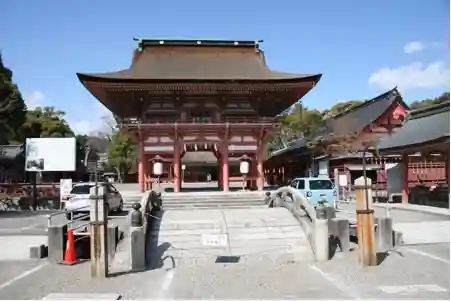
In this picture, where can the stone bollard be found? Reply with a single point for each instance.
(137, 240)
(113, 239)
(268, 199)
(321, 234)
(340, 231)
(384, 234)
(56, 243)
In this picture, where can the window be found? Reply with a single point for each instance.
(321, 185)
(294, 183)
(81, 189)
(301, 184)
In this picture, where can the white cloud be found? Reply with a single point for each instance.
(413, 76)
(34, 99)
(414, 46)
(82, 127)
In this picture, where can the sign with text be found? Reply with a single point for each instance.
(214, 240)
(65, 188)
(50, 154)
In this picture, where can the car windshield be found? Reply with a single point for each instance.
(321, 184)
(81, 189)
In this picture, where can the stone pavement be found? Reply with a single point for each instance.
(419, 226)
(249, 233)
(420, 272)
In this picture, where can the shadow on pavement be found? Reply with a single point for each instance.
(18, 214)
(155, 252)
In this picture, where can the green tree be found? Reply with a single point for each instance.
(418, 104)
(121, 153)
(12, 106)
(341, 107)
(299, 122)
(44, 122)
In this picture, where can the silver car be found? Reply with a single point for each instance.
(78, 201)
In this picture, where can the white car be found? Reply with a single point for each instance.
(78, 201)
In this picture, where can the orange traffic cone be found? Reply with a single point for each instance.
(70, 256)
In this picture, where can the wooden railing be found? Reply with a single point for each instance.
(199, 120)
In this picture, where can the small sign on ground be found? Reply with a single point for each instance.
(214, 240)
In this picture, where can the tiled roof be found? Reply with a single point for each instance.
(189, 60)
(10, 151)
(424, 125)
(357, 118)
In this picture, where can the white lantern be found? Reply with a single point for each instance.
(157, 168)
(244, 167)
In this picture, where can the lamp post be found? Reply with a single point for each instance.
(157, 164)
(183, 172)
(244, 168)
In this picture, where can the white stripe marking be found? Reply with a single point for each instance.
(415, 251)
(166, 284)
(412, 289)
(340, 285)
(23, 275)
(31, 226)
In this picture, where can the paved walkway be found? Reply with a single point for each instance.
(420, 272)
(248, 233)
(418, 224)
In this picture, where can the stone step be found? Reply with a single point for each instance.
(221, 197)
(244, 255)
(169, 233)
(188, 207)
(200, 202)
(212, 200)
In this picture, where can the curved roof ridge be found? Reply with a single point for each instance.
(208, 62)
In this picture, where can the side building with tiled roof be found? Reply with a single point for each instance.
(378, 116)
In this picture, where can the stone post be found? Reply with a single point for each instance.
(137, 240)
(340, 231)
(384, 234)
(56, 242)
(321, 234)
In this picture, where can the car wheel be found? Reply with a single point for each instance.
(121, 206)
(69, 216)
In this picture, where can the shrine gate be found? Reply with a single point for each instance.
(198, 95)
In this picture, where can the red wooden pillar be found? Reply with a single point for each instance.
(141, 165)
(225, 166)
(405, 179)
(447, 168)
(260, 173)
(220, 181)
(177, 166)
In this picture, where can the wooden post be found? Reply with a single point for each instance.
(177, 166)
(365, 221)
(99, 241)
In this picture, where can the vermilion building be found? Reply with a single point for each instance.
(179, 96)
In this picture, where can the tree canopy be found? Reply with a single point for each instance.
(12, 105)
(121, 153)
(44, 122)
(418, 104)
